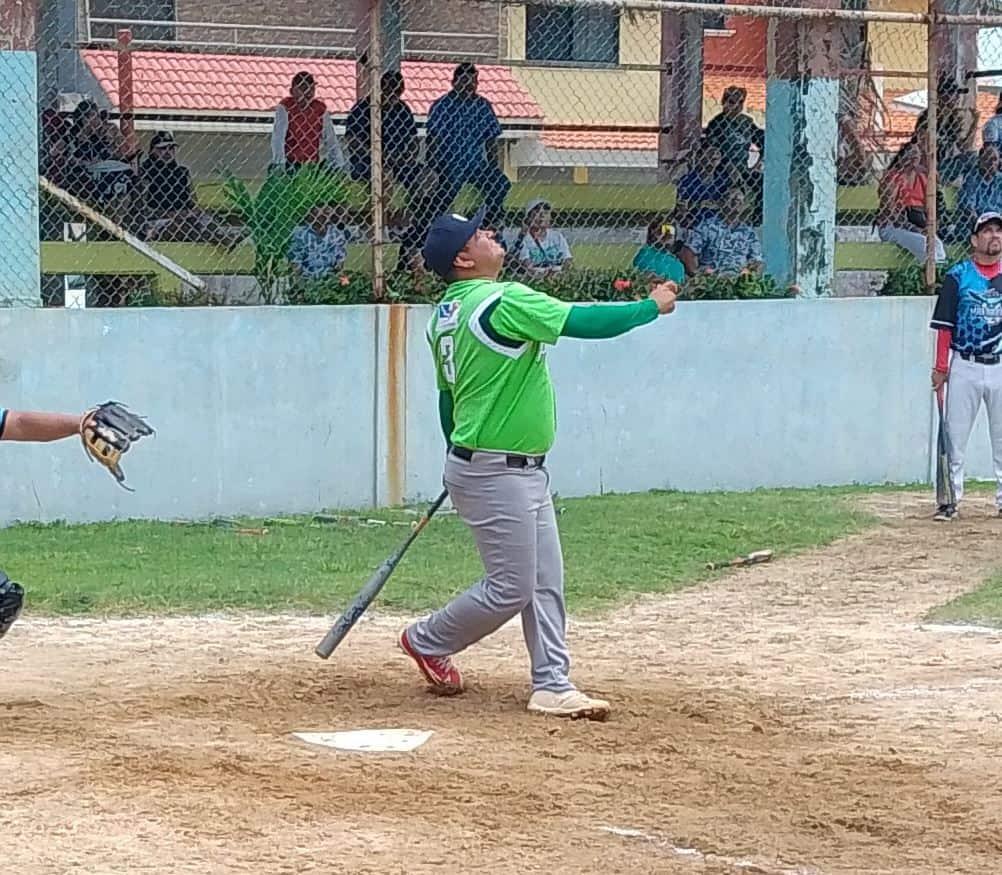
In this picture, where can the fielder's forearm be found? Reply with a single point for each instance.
(601, 321)
(445, 406)
(19, 425)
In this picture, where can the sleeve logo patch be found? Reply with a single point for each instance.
(448, 315)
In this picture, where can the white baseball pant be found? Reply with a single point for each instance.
(969, 385)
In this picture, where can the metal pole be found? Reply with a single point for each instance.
(932, 123)
(126, 89)
(376, 149)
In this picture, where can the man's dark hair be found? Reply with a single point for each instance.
(466, 70)
(392, 80)
(303, 77)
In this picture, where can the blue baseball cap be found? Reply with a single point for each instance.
(446, 238)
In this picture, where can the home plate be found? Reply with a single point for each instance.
(368, 740)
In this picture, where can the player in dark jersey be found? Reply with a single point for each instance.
(968, 322)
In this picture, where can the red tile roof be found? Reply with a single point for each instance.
(631, 141)
(252, 83)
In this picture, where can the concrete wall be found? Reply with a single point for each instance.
(269, 410)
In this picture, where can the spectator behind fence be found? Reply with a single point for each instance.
(169, 206)
(734, 133)
(901, 216)
(981, 191)
(992, 131)
(99, 159)
(463, 147)
(303, 132)
(702, 189)
(319, 248)
(725, 243)
(539, 248)
(954, 126)
(656, 258)
(400, 159)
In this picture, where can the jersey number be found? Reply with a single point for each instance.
(446, 350)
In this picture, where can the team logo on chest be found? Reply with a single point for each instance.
(448, 315)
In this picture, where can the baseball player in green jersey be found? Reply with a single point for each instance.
(497, 409)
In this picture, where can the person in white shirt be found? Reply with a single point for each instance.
(539, 249)
(304, 132)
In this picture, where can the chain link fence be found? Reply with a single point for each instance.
(742, 150)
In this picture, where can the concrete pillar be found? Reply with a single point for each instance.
(802, 102)
(19, 241)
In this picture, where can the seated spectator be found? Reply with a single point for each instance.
(98, 159)
(463, 134)
(901, 216)
(981, 191)
(656, 259)
(724, 244)
(702, 189)
(303, 132)
(540, 249)
(169, 205)
(319, 248)
(734, 133)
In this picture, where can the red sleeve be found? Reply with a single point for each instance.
(944, 337)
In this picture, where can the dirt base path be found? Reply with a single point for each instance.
(795, 718)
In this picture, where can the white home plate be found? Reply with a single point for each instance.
(369, 740)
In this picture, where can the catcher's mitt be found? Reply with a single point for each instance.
(107, 433)
(11, 600)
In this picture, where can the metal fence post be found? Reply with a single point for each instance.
(376, 154)
(932, 182)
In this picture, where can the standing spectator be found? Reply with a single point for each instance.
(901, 216)
(400, 158)
(657, 259)
(303, 132)
(992, 131)
(540, 249)
(702, 189)
(169, 205)
(724, 244)
(319, 248)
(735, 133)
(463, 146)
(981, 191)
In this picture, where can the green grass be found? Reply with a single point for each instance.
(614, 545)
(983, 606)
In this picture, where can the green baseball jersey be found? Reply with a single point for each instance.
(489, 339)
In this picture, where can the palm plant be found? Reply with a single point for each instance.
(280, 205)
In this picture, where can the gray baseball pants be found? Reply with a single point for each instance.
(510, 513)
(971, 384)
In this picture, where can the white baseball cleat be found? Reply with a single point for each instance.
(571, 703)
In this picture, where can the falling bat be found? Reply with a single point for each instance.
(751, 559)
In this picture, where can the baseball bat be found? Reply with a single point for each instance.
(336, 634)
(944, 483)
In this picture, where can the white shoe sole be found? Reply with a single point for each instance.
(596, 712)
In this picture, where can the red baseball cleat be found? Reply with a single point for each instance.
(440, 671)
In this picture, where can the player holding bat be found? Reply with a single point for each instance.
(106, 432)
(968, 322)
(497, 410)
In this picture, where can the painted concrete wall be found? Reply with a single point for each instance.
(270, 410)
(19, 267)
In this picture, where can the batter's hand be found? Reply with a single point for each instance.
(939, 379)
(664, 295)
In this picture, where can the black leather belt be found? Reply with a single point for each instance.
(514, 460)
(981, 359)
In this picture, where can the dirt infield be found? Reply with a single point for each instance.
(795, 717)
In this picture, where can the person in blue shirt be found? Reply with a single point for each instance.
(982, 188)
(463, 146)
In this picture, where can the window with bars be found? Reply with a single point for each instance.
(134, 10)
(715, 22)
(580, 35)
